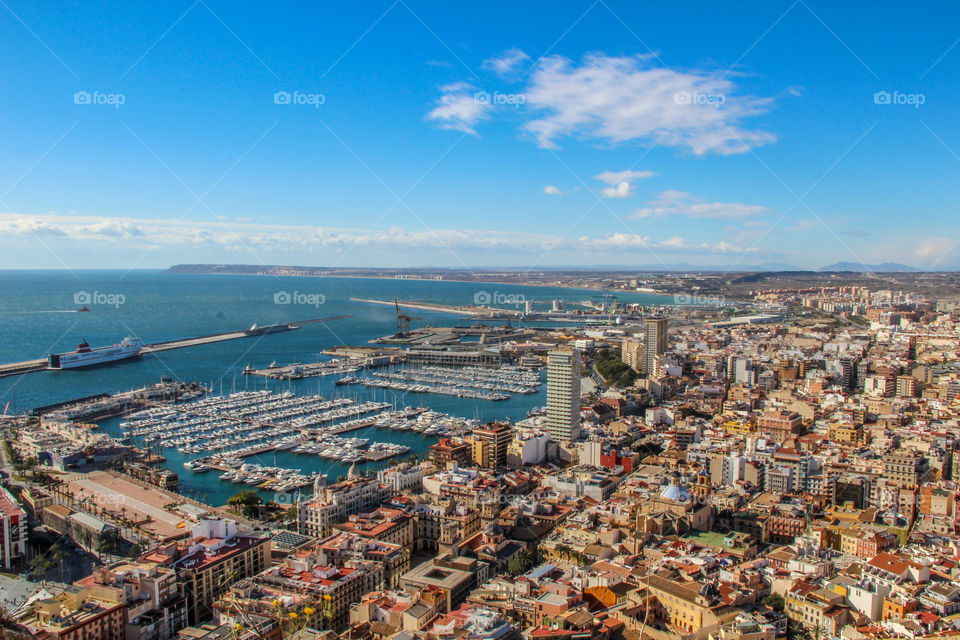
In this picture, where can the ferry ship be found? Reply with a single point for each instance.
(85, 356)
(257, 330)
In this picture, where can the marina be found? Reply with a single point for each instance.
(505, 379)
(438, 389)
(481, 383)
(241, 420)
(218, 433)
(209, 305)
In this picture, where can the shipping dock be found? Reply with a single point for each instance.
(335, 367)
(40, 364)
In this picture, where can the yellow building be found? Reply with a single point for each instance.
(686, 607)
(846, 433)
(816, 608)
(740, 426)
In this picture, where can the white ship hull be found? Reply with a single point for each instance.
(93, 357)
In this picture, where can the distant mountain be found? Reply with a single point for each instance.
(886, 267)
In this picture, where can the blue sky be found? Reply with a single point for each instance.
(439, 134)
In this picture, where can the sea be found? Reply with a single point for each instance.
(39, 316)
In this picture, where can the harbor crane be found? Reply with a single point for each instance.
(403, 321)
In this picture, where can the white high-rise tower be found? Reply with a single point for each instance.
(563, 394)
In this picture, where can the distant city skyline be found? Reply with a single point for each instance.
(409, 134)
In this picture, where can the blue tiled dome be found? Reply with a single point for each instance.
(675, 492)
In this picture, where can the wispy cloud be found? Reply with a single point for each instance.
(626, 99)
(458, 109)
(933, 248)
(619, 190)
(613, 177)
(680, 203)
(551, 190)
(243, 237)
(621, 182)
(632, 99)
(507, 62)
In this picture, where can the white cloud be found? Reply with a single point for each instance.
(551, 190)
(679, 203)
(673, 245)
(507, 62)
(933, 248)
(619, 190)
(613, 177)
(244, 237)
(458, 109)
(620, 182)
(628, 99)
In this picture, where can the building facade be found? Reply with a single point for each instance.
(563, 394)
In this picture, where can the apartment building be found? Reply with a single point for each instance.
(13, 523)
(490, 443)
(780, 425)
(905, 467)
(78, 613)
(208, 563)
(563, 394)
(155, 607)
(382, 525)
(445, 451)
(444, 523)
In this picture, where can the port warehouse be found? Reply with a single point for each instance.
(426, 355)
(48, 408)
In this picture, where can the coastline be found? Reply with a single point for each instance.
(544, 285)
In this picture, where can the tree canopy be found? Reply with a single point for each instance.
(613, 369)
(247, 501)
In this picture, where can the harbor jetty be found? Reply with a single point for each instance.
(31, 366)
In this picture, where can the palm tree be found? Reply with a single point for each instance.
(57, 552)
(39, 566)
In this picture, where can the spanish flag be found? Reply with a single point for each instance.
(182, 525)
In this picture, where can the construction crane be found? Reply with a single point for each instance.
(403, 321)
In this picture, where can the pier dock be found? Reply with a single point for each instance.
(469, 311)
(30, 366)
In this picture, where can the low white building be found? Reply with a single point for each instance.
(402, 477)
(530, 447)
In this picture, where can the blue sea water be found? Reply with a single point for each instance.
(38, 316)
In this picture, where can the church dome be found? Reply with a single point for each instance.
(676, 493)
(353, 473)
